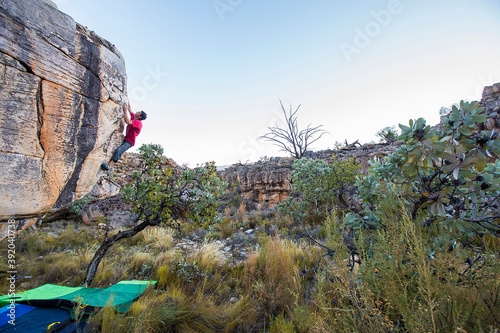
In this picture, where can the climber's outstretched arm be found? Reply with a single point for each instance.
(126, 114)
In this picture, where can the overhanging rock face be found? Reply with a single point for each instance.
(61, 91)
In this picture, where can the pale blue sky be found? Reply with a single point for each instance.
(210, 73)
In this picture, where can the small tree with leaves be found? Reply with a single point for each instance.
(388, 134)
(319, 186)
(291, 138)
(162, 194)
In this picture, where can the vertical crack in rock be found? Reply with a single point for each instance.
(40, 110)
(86, 125)
(85, 141)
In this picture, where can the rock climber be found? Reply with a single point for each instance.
(134, 126)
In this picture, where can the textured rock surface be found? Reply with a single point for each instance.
(491, 101)
(263, 184)
(61, 90)
(361, 154)
(111, 210)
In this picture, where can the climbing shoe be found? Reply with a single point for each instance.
(104, 166)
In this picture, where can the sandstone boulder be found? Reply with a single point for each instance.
(61, 91)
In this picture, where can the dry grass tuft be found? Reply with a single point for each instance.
(272, 276)
(209, 256)
(159, 237)
(241, 213)
(165, 258)
(140, 259)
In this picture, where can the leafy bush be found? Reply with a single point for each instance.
(76, 206)
(160, 193)
(450, 175)
(320, 186)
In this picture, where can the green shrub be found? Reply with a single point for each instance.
(319, 186)
(450, 175)
(76, 206)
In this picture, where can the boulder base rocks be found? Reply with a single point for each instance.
(111, 210)
(61, 91)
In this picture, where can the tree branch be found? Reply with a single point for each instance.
(290, 139)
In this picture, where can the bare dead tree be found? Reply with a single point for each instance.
(291, 139)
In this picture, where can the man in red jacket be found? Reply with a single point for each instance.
(134, 126)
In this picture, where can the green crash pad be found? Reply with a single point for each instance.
(120, 296)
